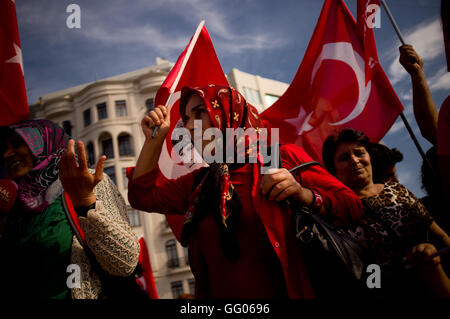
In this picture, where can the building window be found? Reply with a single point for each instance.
(87, 117)
(191, 283)
(125, 178)
(111, 172)
(134, 216)
(121, 108)
(90, 154)
(125, 148)
(252, 95)
(186, 255)
(270, 99)
(101, 111)
(172, 254)
(67, 126)
(177, 289)
(149, 104)
(108, 149)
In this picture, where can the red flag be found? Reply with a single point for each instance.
(197, 66)
(366, 10)
(329, 90)
(13, 98)
(146, 281)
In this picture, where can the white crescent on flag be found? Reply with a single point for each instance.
(343, 51)
(169, 164)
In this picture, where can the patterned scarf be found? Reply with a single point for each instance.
(47, 142)
(213, 193)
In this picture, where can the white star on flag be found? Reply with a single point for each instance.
(301, 121)
(17, 58)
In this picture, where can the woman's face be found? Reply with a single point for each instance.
(353, 166)
(196, 110)
(17, 157)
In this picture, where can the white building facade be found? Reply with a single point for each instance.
(106, 116)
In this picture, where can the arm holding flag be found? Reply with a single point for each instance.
(145, 193)
(149, 156)
(425, 110)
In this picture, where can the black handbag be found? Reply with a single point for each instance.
(335, 261)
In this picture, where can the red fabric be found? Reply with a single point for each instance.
(222, 113)
(172, 197)
(201, 69)
(335, 57)
(74, 216)
(146, 281)
(13, 97)
(366, 9)
(242, 278)
(226, 108)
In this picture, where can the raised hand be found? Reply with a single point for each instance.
(410, 60)
(75, 177)
(159, 116)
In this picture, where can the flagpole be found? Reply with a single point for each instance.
(405, 121)
(393, 22)
(183, 65)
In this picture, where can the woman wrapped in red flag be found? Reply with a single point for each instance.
(240, 237)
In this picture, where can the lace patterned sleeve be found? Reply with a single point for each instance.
(108, 233)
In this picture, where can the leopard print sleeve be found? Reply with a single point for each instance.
(108, 233)
(417, 207)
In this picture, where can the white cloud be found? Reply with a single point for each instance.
(405, 177)
(440, 81)
(427, 41)
(398, 125)
(143, 36)
(232, 41)
(119, 23)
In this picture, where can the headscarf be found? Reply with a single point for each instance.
(213, 192)
(46, 141)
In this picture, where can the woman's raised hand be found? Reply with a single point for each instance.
(75, 177)
(159, 116)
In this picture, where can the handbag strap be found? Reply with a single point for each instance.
(304, 165)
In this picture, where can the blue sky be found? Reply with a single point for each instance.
(262, 37)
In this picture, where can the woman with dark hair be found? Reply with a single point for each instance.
(383, 162)
(239, 234)
(394, 220)
(39, 243)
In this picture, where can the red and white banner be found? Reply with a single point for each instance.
(366, 11)
(146, 281)
(330, 89)
(197, 65)
(13, 97)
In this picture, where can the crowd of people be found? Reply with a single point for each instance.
(238, 223)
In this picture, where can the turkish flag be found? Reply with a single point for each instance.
(13, 97)
(329, 90)
(366, 10)
(197, 65)
(146, 281)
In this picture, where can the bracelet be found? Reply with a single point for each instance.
(82, 211)
(317, 199)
